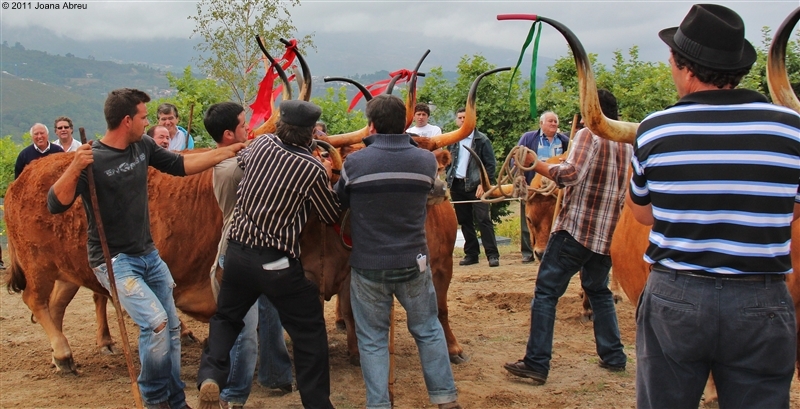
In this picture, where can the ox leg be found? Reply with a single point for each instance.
(346, 311)
(105, 344)
(341, 325)
(441, 283)
(37, 299)
(187, 336)
(63, 292)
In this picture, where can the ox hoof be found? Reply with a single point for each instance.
(189, 338)
(65, 366)
(341, 326)
(459, 358)
(587, 317)
(107, 350)
(355, 360)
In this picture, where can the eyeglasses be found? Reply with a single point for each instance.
(63, 127)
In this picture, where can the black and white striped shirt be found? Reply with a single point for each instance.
(280, 185)
(721, 169)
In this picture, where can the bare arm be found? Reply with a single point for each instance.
(199, 162)
(644, 214)
(65, 186)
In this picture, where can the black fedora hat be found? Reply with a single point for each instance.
(711, 36)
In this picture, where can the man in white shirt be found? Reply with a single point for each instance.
(421, 126)
(63, 127)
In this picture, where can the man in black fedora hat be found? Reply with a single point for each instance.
(281, 183)
(716, 175)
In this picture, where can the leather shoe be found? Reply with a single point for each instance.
(468, 260)
(612, 368)
(524, 371)
(527, 259)
(494, 261)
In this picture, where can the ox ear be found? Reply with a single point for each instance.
(443, 158)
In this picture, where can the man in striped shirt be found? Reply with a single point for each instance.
(282, 183)
(716, 175)
(594, 174)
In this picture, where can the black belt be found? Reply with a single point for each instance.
(703, 274)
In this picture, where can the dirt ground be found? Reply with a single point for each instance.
(489, 313)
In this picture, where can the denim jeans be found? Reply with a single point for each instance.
(243, 361)
(561, 260)
(297, 301)
(371, 303)
(274, 364)
(743, 332)
(144, 285)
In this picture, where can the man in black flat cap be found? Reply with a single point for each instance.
(716, 176)
(282, 182)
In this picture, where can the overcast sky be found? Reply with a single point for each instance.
(446, 27)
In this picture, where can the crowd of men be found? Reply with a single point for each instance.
(704, 219)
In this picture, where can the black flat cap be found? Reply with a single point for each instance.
(299, 113)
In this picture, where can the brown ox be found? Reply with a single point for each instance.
(540, 206)
(48, 252)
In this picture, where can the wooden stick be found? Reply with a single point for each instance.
(391, 354)
(126, 347)
(189, 126)
(572, 132)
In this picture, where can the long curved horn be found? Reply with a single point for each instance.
(361, 88)
(286, 94)
(439, 141)
(303, 77)
(777, 78)
(411, 96)
(618, 131)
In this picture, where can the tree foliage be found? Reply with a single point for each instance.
(192, 91)
(757, 78)
(229, 52)
(334, 112)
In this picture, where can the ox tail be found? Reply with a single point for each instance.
(15, 277)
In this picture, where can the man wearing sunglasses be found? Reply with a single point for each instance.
(63, 126)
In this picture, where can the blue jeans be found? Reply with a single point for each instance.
(371, 303)
(743, 332)
(562, 259)
(274, 364)
(243, 361)
(145, 284)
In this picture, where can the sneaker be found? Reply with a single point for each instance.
(494, 261)
(612, 368)
(522, 370)
(209, 395)
(468, 260)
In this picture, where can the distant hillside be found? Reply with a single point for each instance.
(38, 87)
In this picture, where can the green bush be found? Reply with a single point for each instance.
(9, 150)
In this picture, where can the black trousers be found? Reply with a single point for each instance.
(297, 300)
(465, 212)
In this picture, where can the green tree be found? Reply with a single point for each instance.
(334, 112)
(192, 91)
(229, 52)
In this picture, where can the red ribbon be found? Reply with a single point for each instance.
(347, 240)
(262, 106)
(380, 86)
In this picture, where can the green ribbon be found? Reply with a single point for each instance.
(536, 25)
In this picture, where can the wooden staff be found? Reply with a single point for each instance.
(572, 132)
(189, 126)
(126, 348)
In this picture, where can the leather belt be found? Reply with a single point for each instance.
(703, 274)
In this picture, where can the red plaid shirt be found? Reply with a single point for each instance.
(596, 177)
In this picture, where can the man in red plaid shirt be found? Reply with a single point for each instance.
(595, 175)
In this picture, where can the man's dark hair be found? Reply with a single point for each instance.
(152, 131)
(608, 104)
(322, 125)
(460, 110)
(167, 108)
(121, 103)
(422, 107)
(719, 79)
(293, 134)
(62, 119)
(387, 113)
(222, 117)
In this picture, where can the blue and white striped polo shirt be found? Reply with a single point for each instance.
(721, 170)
